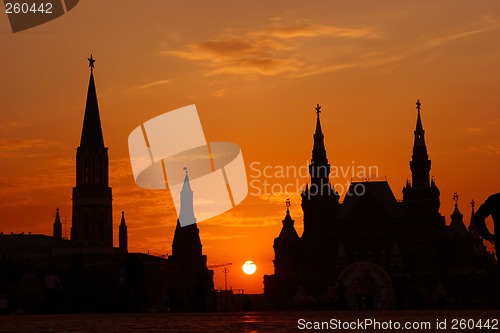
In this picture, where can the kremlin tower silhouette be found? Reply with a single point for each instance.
(95, 275)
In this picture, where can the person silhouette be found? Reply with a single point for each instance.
(490, 207)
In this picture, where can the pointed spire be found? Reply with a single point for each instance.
(58, 218)
(457, 225)
(288, 233)
(92, 132)
(319, 144)
(318, 123)
(186, 185)
(288, 219)
(123, 235)
(186, 214)
(57, 230)
(472, 224)
(122, 222)
(419, 129)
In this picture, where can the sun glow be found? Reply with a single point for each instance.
(249, 267)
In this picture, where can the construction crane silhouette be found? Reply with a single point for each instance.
(225, 270)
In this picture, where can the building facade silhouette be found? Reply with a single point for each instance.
(371, 251)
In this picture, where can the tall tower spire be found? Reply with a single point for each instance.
(123, 235)
(57, 230)
(421, 196)
(420, 164)
(92, 221)
(320, 195)
(419, 129)
(91, 130)
(319, 169)
(186, 241)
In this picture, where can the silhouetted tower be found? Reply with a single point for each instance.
(92, 223)
(286, 247)
(57, 230)
(472, 224)
(320, 199)
(457, 227)
(187, 264)
(474, 233)
(421, 196)
(187, 244)
(122, 235)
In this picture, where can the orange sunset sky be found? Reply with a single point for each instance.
(255, 70)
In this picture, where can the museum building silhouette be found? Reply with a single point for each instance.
(372, 251)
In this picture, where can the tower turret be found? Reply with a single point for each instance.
(320, 199)
(92, 221)
(421, 196)
(457, 227)
(286, 247)
(57, 230)
(123, 235)
(186, 241)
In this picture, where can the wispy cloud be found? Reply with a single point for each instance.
(475, 130)
(8, 126)
(490, 147)
(11, 147)
(263, 52)
(151, 84)
(282, 48)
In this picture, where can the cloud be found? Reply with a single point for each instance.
(8, 126)
(151, 84)
(22, 147)
(476, 130)
(265, 52)
(302, 28)
(491, 147)
(284, 48)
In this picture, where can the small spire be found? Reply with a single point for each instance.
(122, 222)
(57, 217)
(472, 224)
(288, 204)
(318, 123)
(455, 198)
(186, 179)
(419, 128)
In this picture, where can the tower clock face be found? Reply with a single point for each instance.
(367, 285)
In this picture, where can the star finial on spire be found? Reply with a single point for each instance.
(418, 105)
(185, 169)
(473, 204)
(91, 62)
(288, 204)
(455, 198)
(318, 109)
